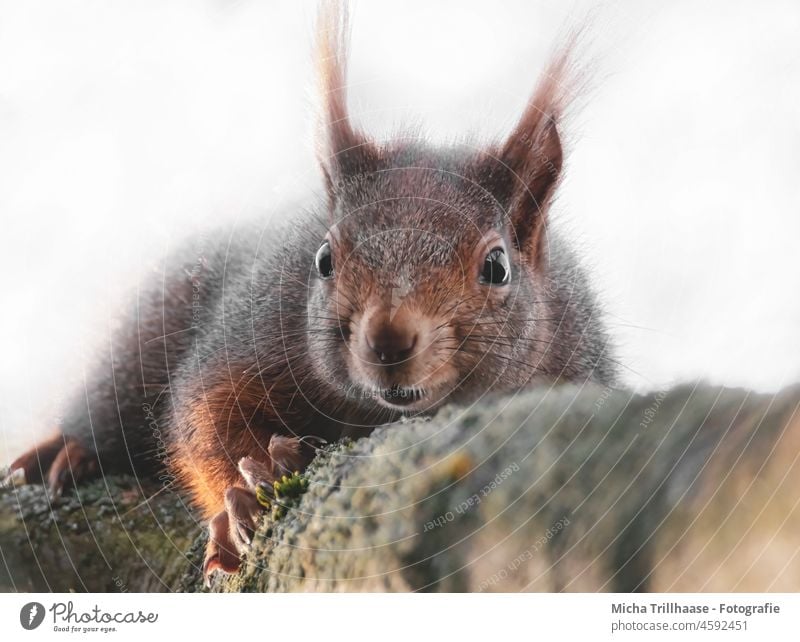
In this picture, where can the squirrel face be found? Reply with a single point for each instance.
(420, 282)
(428, 281)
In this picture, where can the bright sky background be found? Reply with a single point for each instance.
(125, 124)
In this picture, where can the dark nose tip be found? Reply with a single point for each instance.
(390, 343)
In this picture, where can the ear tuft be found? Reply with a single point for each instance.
(533, 156)
(342, 150)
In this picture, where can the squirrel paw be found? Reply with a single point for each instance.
(230, 532)
(221, 554)
(286, 455)
(243, 511)
(61, 462)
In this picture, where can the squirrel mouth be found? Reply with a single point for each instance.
(401, 396)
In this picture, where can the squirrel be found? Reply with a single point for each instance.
(424, 275)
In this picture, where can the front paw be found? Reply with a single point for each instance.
(221, 554)
(286, 455)
(60, 462)
(230, 532)
(243, 512)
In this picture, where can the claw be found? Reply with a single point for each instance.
(214, 563)
(210, 565)
(220, 553)
(243, 510)
(56, 486)
(243, 537)
(15, 478)
(255, 472)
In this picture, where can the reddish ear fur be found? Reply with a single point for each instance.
(533, 155)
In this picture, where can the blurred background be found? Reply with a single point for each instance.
(125, 125)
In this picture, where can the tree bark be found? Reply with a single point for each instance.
(557, 489)
(109, 535)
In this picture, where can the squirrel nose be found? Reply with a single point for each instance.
(391, 343)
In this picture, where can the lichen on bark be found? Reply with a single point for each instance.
(558, 489)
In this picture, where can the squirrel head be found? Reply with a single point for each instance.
(430, 275)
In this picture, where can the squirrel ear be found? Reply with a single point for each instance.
(342, 150)
(532, 158)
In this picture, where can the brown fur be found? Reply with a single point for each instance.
(223, 424)
(258, 350)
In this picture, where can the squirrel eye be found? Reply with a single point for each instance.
(324, 261)
(496, 270)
